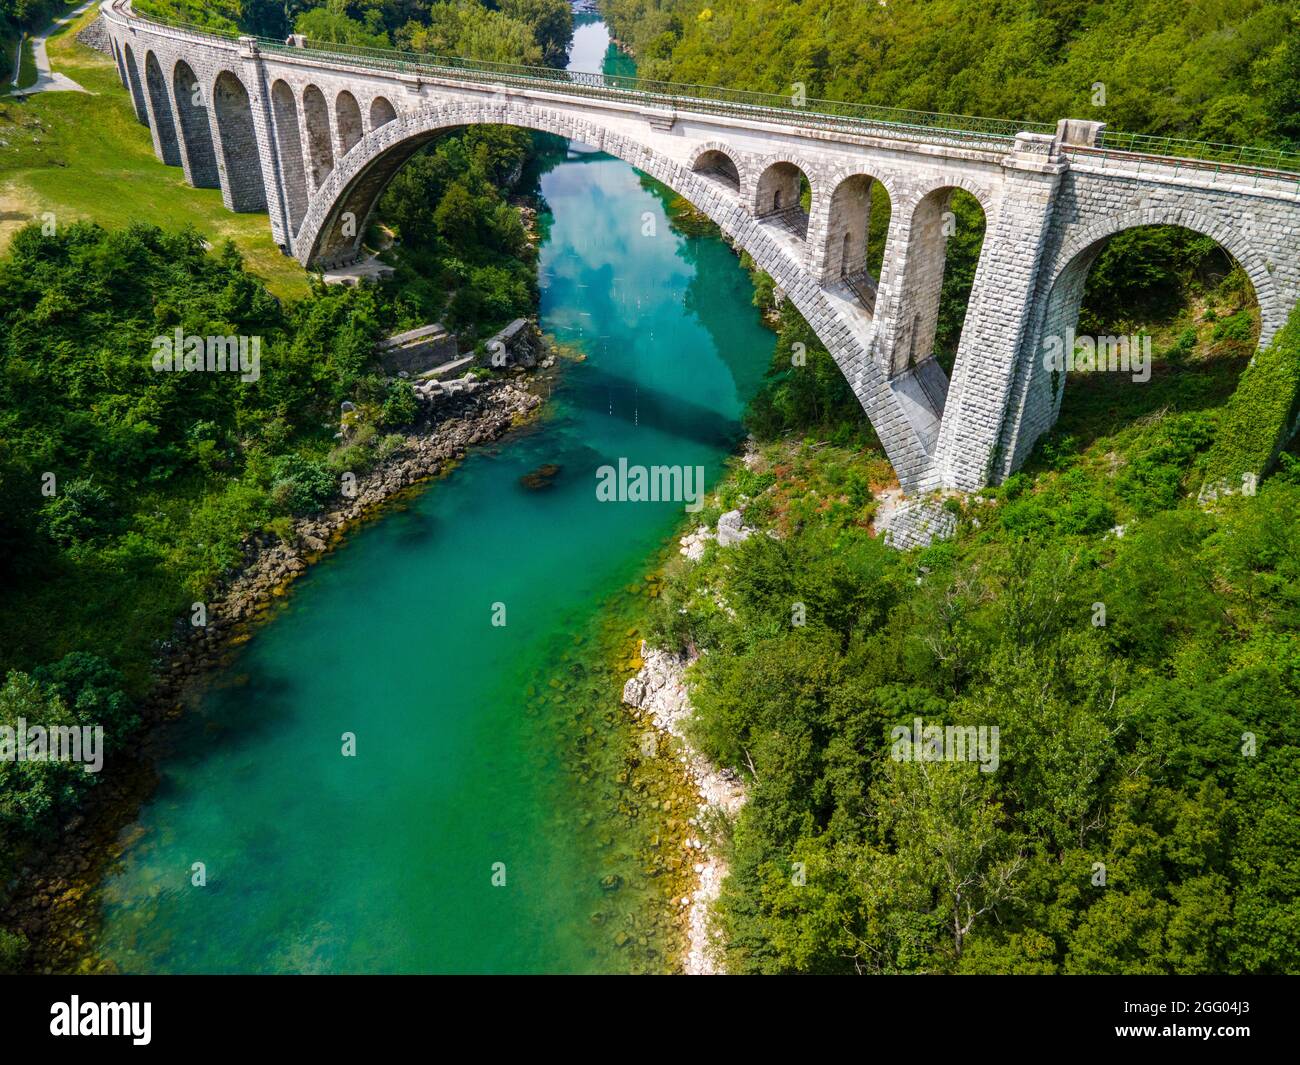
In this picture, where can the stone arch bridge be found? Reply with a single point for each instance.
(312, 135)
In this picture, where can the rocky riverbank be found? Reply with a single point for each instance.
(50, 903)
(479, 413)
(658, 697)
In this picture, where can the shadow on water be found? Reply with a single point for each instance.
(246, 706)
(411, 528)
(599, 390)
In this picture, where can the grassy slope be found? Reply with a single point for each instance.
(86, 156)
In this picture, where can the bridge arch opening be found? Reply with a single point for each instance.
(381, 112)
(199, 152)
(720, 167)
(347, 116)
(284, 110)
(944, 238)
(784, 196)
(320, 148)
(165, 126)
(1146, 319)
(243, 187)
(857, 226)
(137, 92)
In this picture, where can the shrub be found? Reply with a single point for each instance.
(13, 948)
(301, 485)
(79, 511)
(1235, 327)
(400, 406)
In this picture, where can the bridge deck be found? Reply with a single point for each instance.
(867, 119)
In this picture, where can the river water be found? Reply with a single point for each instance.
(456, 838)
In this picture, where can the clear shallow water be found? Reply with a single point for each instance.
(384, 862)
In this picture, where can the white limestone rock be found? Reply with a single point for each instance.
(693, 543)
(732, 529)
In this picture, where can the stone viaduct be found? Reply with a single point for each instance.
(312, 135)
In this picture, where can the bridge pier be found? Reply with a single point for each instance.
(271, 168)
(998, 317)
(162, 118)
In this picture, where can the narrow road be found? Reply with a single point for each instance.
(46, 79)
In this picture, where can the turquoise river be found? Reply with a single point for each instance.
(393, 860)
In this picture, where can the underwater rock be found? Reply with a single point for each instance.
(542, 477)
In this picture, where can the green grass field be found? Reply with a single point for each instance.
(84, 155)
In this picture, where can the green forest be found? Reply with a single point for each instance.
(1225, 71)
(513, 31)
(1140, 655)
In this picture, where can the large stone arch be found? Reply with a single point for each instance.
(198, 153)
(1040, 390)
(332, 231)
(160, 106)
(1232, 238)
(243, 188)
(320, 145)
(137, 91)
(284, 112)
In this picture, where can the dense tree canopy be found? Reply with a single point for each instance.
(1142, 817)
(1225, 71)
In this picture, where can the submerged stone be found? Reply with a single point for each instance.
(542, 477)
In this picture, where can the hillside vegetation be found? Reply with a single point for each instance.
(1138, 653)
(1225, 70)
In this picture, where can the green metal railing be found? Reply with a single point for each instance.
(1178, 148)
(811, 113)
